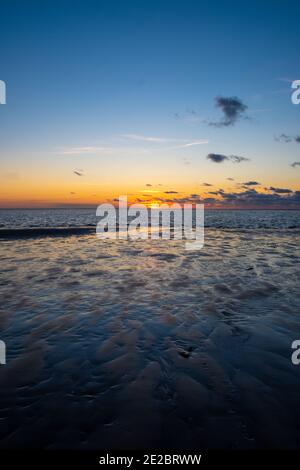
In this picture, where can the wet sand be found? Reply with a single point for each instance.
(142, 344)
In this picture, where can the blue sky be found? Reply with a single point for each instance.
(106, 76)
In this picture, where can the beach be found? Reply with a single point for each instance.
(142, 344)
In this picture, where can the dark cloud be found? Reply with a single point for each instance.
(188, 199)
(171, 192)
(219, 158)
(287, 138)
(218, 192)
(230, 179)
(233, 109)
(295, 164)
(208, 200)
(206, 184)
(249, 198)
(237, 159)
(280, 190)
(149, 185)
(78, 172)
(252, 198)
(251, 183)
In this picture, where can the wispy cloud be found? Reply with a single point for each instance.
(238, 159)
(285, 80)
(288, 138)
(145, 138)
(182, 143)
(190, 116)
(193, 143)
(174, 144)
(82, 150)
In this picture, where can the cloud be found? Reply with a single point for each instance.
(288, 138)
(219, 192)
(230, 179)
(249, 198)
(252, 198)
(232, 108)
(189, 116)
(81, 150)
(206, 184)
(286, 80)
(149, 185)
(214, 193)
(186, 161)
(280, 190)
(193, 143)
(251, 183)
(219, 158)
(283, 138)
(237, 159)
(295, 164)
(78, 172)
(216, 157)
(171, 192)
(184, 143)
(109, 150)
(144, 138)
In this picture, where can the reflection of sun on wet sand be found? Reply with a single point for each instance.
(140, 344)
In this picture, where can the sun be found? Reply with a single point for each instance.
(154, 205)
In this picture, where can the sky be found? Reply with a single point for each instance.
(158, 100)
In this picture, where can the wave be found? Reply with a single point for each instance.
(45, 231)
(36, 232)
